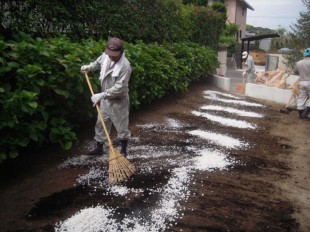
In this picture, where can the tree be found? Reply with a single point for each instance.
(301, 29)
(300, 35)
(228, 36)
(281, 31)
(259, 30)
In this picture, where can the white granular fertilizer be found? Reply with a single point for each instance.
(173, 123)
(152, 152)
(80, 161)
(219, 139)
(214, 93)
(236, 102)
(148, 126)
(94, 176)
(100, 218)
(232, 111)
(209, 160)
(225, 121)
(89, 220)
(120, 190)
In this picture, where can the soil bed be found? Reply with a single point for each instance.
(198, 169)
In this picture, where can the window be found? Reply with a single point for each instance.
(243, 11)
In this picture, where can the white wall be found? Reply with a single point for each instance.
(265, 44)
(281, 64)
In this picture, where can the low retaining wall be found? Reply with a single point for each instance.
(221, 82)
(281, 96)
(263, 92)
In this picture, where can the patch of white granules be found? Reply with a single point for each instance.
(219, 139)
(232, 111)
(225, 121)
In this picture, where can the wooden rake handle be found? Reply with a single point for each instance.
(293, 99)
(98, 110)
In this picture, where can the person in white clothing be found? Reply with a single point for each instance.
(115, 72)
(249, 67)
(303, 69)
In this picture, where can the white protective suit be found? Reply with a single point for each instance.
(250, 68)
(114, 106)
(303, 68)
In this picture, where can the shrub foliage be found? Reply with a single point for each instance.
(43, 95)
(146, 20)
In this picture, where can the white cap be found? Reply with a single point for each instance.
(244, 55)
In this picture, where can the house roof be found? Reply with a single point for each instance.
(246, 4)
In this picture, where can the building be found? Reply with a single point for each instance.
(236, 13)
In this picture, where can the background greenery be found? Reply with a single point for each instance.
(44, 97)
(131, 20)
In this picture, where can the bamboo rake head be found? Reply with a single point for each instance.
(120, 169)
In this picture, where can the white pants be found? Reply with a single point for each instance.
(114, 112)
(303, 98)
(250, 77)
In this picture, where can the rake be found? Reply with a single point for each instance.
(120, 169)
(292, 100)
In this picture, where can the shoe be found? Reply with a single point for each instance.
(97, 151)
(305, 112)
(300, 114)
(124, 147)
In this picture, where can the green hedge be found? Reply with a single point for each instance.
(146, 20)
(44, 97)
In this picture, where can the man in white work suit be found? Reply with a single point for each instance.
(249, 67)
(115, 72)
(303, 69)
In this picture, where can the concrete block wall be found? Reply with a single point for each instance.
(262, 92)
(221, 82)
(277, 95)
(281, 96)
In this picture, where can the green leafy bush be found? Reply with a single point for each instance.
(207, 26)
(146, 20)
(41, 91)
(228, 36)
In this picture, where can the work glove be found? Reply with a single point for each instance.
(97, 97)
(85, 68)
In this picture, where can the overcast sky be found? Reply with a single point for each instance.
(274, 13)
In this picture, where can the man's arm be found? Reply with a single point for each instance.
(93, 66)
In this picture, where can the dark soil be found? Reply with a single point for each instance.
(266, 190)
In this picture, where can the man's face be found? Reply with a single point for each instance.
(115, 58)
